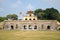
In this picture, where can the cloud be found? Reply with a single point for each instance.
(1, 10)
(16, 4)
(47, 0)
(1, 1)
(30, 7)
(51, 1)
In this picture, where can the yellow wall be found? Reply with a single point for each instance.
(30, 17)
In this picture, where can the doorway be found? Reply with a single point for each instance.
(30, 27)
(12, 27)
(24, 27)
(35, 27)
(48, 27)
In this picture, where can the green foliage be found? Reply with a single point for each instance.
(58, 18)
(3, 18)
(41, 15)
(48, 14)
(52, 14)
(12, 16)
(37, 11)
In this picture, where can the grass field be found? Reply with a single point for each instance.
(29, 35)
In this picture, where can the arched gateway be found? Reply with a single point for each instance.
(48, 27)
(12, 27)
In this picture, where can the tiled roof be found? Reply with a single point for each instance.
(30, 12)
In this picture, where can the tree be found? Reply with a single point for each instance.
(39, 13)
(58, 18)
(12, 16)
(51, 13)
(47, 14)
(3, 18)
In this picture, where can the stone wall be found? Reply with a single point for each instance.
(31, 24)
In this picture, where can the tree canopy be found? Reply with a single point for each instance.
(3, 18)
(9, 16)
(12, 16)
(47, 14)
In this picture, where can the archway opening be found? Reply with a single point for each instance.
(24, 27)
(34, 19)
(48, 27)
(35, 27)
(59, 29)
(30, 15)
(30, 19)
(26, 19)
(30, 27)
(12, 27)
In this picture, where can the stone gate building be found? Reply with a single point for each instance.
(30, 22)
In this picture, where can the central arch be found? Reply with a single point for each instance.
(30, 27)
(48, 27)
(24, 27)
(35, 27)
(12, 27)
(30, 19)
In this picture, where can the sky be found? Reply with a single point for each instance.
(17, 6)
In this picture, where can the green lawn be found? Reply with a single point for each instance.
(29, 35)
